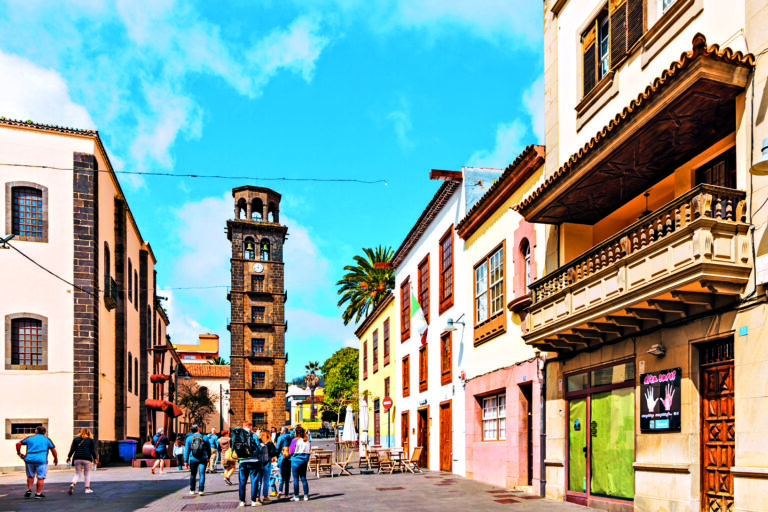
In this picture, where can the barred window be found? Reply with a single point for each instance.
(27, 212)
(495, 418)
(258, 379)
(257, 346)
(26, 342)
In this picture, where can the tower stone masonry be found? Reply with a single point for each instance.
(257, 297)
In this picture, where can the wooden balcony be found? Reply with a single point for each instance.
(691, 255)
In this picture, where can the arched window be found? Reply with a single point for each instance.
(264, 250)
(130, 373)
(130, 280)
(257, 210)
(272, 215)
(249, 252)
(525, 251)
(242, 211)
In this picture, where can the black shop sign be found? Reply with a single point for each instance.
(660, 402)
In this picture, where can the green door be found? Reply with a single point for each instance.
(577, 445)
(612, 445)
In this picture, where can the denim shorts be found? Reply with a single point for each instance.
(39, 468)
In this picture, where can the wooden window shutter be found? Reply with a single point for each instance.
(635, 21)
(617, 11)
(589, 46)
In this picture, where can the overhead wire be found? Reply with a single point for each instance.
(51, 272)
(207, 176)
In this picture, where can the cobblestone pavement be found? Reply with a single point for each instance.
(123, 489)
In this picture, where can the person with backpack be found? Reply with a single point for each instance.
(213, 441)
(250, 452)
(197, 451)
(269, 451)
(82, 453)
(161, 442)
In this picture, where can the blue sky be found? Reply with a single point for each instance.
(326, 89)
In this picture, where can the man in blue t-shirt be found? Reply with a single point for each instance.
(213, 442)
(36, 460)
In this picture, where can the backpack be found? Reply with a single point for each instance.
(197, 448)
(272, 450)
(242, 443)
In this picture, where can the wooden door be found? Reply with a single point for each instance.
(377, 427)
(422, 436)
(404, 433)
(718, 434)
(527, 391)
(446, 434)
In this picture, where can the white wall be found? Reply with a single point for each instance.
(451, 214)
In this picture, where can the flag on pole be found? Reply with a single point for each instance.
(418, 321)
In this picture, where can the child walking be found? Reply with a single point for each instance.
(178, 452)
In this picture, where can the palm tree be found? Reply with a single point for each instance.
(311, 380)
(366, 283)
(218, 361)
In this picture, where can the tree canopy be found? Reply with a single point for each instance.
(341, 379)
(366, 283)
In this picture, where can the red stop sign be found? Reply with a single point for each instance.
(387, 403)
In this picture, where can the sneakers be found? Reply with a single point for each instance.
(201, 493)
(306, 497)
(191, 493)
(242, 504)
(265, 499)
(28, 494)
(71, 489)
(39, 496)
(273, 493)
(255, 504)
(227, 481)
(89, 491)
(295, 498)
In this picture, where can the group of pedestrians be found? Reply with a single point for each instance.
(268, 459)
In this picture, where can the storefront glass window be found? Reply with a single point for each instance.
(612, 431)
(577, 445)
(577, 382)
(612, 375)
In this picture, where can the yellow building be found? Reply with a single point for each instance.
(303, 413)
(377, 370)
(205, 350)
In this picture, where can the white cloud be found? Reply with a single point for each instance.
(31, 92)
(509, 143)
(140, 93)
(533, 99)
(401, 122)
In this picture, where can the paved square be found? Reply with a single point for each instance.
(126, 489)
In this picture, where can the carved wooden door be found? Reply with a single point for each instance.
(718, 435)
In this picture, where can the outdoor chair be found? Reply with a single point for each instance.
(324, 463)
(413, 464)
(386, 465)
(373, 459)
(312, 465)
(365, 459)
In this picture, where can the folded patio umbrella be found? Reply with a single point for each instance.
(363, 425)
(349, 434)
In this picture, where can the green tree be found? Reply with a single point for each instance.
(311, 380)
(198, 402)
(218, 361)
(341, 380)
(366, 283)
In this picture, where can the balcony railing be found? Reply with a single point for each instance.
(702, 201)
(111, 293)
(689, 254)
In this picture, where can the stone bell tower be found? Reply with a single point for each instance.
(257, 298)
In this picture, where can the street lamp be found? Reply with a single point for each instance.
(760, 168)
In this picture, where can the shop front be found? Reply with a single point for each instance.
(601, 433)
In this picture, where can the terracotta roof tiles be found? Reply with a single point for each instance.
(215, 371)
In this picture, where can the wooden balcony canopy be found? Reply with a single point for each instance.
(684, 111)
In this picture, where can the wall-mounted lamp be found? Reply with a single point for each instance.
(760, 168)
(658, 350)
(451, 324)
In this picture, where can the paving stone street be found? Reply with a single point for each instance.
(126, 489)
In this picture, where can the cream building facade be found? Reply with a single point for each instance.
(378, 361)
(650, 297)
(78, 337)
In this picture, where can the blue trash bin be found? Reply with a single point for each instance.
(126, 449)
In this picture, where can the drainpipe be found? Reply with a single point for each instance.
(543, 430)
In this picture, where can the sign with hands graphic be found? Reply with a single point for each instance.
(661, 405)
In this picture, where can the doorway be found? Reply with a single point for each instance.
(527, 392)
(446, 435)
(376, 423)
(718, 418)
(405, 434)
(422, 436)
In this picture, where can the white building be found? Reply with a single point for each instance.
(429, 388)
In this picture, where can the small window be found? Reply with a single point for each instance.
(525, 252)
(603, 46)
(23, 428)
(249, 252)
(423, 368)
(136, 376)
(257, 283)
(136, 290)
(27, 213)
(257, 346)
(27, 342)
(489, 287)
(446, 355)
(385, 330)
(720, 171)
(406, 376)
(259, 420)
(130, 373)
(264, 250)
(130, 280)
(258, 379)
(375, 344)
(258, 313)
(405, 310)
(495, 418)
(386, 386)
(424, 287)
(446, 270)
(365, 360)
